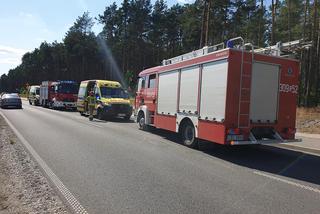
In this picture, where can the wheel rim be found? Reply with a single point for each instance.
(99, 114)
(188, 135)
(141, 122)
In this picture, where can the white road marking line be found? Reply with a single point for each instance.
(287, 182)
(74, 203)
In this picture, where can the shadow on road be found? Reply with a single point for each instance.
(116, 120)
(270, 159)
(11, 108)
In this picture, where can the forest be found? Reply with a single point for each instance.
(137, 34)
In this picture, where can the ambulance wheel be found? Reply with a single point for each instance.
(127, 117)
(188, 135)
(100, 114)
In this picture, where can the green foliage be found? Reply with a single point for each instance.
(290, 20)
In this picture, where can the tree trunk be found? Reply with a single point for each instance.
(203, 25)
(273, 8)
(305, 19)
(207, 23)
(289, 24)
(260, 19)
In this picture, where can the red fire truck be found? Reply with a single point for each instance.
(231, 96)
(60, 94)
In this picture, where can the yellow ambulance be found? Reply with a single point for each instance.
(111, 99)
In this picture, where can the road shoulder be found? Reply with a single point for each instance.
(23, 187)
(310, 144)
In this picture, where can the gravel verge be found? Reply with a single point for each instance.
(23, 187)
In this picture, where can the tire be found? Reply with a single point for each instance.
(188, 135)
(141, 121)
(127, 117)
(100, 114)
(30, 102)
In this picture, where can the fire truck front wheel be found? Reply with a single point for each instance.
(141, 121)
(188, 135)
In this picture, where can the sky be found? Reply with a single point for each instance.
(25, 24)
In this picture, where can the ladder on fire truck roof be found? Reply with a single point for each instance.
(193, 54)
(286, 49)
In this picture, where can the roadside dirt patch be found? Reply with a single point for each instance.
(23, 188)
(308, 120)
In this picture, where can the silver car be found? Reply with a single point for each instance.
(10, 100)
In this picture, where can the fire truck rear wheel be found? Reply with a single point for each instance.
(188, 135)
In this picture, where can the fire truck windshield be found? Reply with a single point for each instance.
(68, 88)
(108, 92)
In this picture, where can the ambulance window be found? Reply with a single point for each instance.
(82, 91)
(97, 92)
(152, 81)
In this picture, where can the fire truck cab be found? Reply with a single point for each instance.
(231, 96)
(61, 94)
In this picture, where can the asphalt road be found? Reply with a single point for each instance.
(112, 167)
